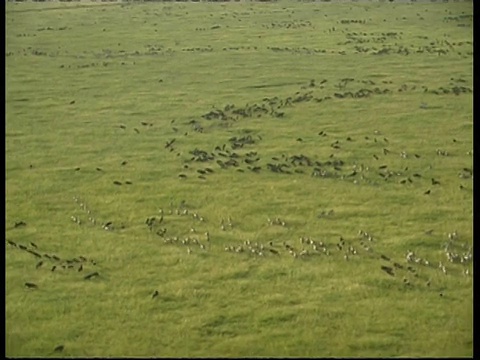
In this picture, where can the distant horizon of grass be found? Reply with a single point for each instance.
(365, 107)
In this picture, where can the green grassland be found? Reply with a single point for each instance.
(317, 144)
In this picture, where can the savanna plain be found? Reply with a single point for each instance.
(239, 179)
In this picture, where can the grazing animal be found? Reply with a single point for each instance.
(388, 270)
(12, 243)
(19, 224)
(169, 143)
(31, 285)
(91, 275)
(34, 253)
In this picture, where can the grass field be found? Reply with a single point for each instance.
(288, 179)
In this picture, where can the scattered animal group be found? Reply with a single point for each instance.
(53, 262)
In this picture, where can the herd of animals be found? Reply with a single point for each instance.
(239, 154)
